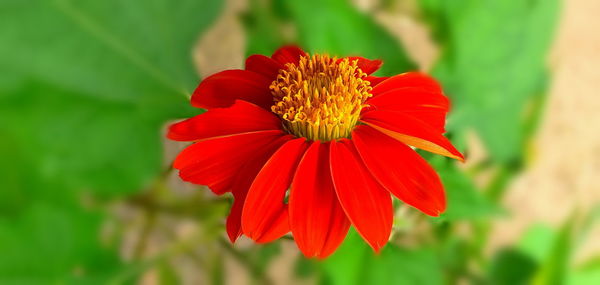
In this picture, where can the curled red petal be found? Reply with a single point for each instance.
(224, 88)
(366, 203)
(406, 80)
(400, 170)
(241, 117)
(215, 162)
(366, 65)
(288, 54)
(264, 204)
(411, 131)
(317, 219)
(263, 65)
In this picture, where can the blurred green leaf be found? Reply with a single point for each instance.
(510, 267)
(87, 143)
(127, 51)
(465, 200)
(537, 242)
(355, 263)
(493, 65)
(86, 86)
(551, 250)
(117, 70)
(53, 244)
(336, 27)
(554, 268)
(587, 274)
(264, 29)
(453, 253)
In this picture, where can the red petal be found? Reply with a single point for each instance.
(242, 117)
(366, 65)
(375, 80)
(288, 54)
(222, 89)
(411, 132)
(317, 219)
(241, 184)
(214, 162)
(437, 120)
(400, 170)
(366, 203)
(263, 65)
(426, 106)
(405, 80)
(279, 227)
(264, 204)
(409, 98)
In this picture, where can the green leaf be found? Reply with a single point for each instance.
(510, 266)
(355, 263)
(112, 72)
(493, 66)
(537, 242)
(51, 244)
(122, 50)
(555, 266)
(551, 250)
(336, 27)
(264, 29)
(465, 200)
(86, 87)
(588, 274)
(84, 142)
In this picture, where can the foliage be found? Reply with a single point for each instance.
(493, 66)
(89, 85)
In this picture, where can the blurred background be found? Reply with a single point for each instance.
(87, 88)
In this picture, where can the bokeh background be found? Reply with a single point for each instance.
(87, 88)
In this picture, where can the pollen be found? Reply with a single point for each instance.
(321, 97)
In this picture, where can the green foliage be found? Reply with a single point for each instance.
(587, 274)
(465, 200)
(493, 66)
(343, 30)
(550, 251)
(264, 29)
(537, 242)
(356, 263)
(86, 87)
(511, 267)
(555, 266)
(335, 27)
(51, 244)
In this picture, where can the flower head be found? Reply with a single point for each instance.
(313, 144)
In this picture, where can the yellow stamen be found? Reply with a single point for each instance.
(321, 97)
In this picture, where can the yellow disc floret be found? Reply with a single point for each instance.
(321, 97)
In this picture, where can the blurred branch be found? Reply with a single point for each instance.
(255, 271)
(175, 249)
(498, 185)
(141, 245)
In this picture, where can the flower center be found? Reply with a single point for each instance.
(321, 97)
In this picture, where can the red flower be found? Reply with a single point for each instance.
(321, 133)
